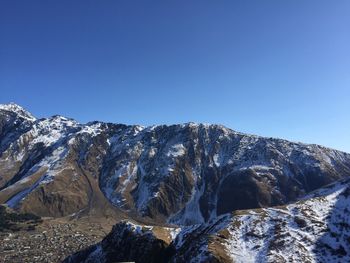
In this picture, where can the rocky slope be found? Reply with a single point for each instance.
(126, 242)
(140, 243)
(50, 166)
(182, 174)
(313, 229)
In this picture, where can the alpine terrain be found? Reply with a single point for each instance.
(179, 193)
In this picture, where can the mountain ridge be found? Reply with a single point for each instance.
(16, 108)
(180, 174)
(313, 229)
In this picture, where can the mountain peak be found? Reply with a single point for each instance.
(20, 111)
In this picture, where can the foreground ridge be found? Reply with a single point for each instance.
(314, 229)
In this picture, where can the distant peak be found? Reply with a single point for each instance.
(20, 111)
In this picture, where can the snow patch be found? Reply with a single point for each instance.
(176, 150)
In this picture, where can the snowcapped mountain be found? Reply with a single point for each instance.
(316, 228)
(182, 174)
(17, 110)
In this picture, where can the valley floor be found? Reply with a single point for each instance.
(53, 240)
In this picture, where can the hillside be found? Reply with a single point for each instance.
(313, 229)
(182, 174)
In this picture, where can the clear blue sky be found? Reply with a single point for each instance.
(272, 68)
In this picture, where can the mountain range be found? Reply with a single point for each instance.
(191, 192)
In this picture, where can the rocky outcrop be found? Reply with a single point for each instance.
(126, 242)
(129, 242)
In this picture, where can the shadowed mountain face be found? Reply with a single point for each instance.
(140, 243)
(183, 174)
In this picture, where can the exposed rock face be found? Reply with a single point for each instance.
(139, 243)
(126, 242)
(184, 174)
(313, 229)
